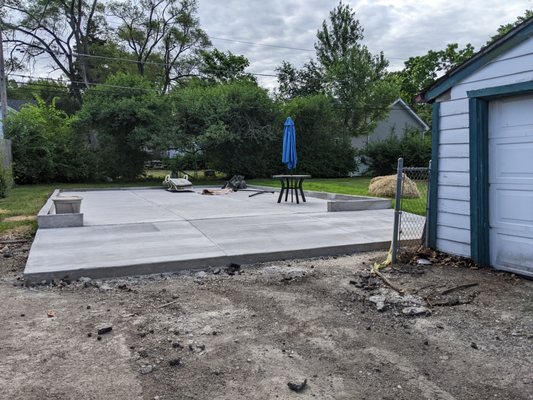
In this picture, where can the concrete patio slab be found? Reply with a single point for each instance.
(132, 232)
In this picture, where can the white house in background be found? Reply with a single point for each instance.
(400, 119)
(481, 202)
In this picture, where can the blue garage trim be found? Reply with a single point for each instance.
(502, 91)
(434, 184)
(479, 164)
(479, 181)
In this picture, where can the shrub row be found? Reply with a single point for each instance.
(234, 128)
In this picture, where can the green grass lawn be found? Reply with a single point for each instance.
(355, 186)
(25, 201)
(18, 209)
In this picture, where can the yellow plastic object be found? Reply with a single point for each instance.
(386, 262)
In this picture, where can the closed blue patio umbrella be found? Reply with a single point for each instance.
(289, 144)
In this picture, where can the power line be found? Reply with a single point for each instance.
(117, 90)
(165, 64)
(211, 37)
(280, 47)
(260, 44)
(82, 82)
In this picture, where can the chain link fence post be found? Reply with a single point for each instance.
(428, 199)
(410, 230)
(397, 210)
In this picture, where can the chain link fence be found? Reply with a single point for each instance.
(411, 209)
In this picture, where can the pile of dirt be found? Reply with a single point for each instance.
(320, 328)
(385, 186)
(412, 256)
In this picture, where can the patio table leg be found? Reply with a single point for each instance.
(300, 186)
(281, 191)
(295, 186)
(287, 189)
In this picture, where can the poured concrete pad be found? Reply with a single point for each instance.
(131, 232)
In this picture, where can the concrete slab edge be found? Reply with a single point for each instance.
(45, 210)
(342, 202)
(47, 219)
(364, 204)
(60, 221)
(193, 264)
(118, 188)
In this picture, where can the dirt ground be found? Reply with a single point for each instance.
(246, 334)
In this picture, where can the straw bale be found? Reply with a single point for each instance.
(385, 186)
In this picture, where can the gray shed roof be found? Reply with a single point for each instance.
(17, 104)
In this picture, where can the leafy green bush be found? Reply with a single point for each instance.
(322, 144)
(44, 145)
(231, 124)
(6, 180)
(382, 157)
(239, 129)
(124, 116)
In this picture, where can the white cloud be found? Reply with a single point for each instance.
(400, 29)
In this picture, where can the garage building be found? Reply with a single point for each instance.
(482, 177)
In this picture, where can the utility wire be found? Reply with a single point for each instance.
(260, 44)
(165, 64)
(279, 46)
(82, 82)
(117, 89)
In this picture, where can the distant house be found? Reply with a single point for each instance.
(400, 119)
(16, 105)
(13, 106)
(481, 203)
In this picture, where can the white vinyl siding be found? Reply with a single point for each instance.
(453, 220)
(514, 66)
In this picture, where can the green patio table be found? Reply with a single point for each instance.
(293, 184)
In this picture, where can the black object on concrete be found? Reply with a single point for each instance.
(292, 184)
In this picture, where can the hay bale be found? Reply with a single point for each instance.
(385, 186)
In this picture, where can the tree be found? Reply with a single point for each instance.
(166, 33)
(127, 116)
(503, 29)
(51, 92)
(232, 124)
(293, 82)
(45, 147)
(220, 67)
(352, 75)
(338, 36)
(107, 58)
(421, 71)
(63, 30)
(323, 149)
(346, 71)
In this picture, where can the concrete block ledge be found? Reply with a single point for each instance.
(343, 202)
(47, 218)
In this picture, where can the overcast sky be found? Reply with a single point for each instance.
(400, 28)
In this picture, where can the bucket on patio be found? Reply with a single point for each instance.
(67, 204)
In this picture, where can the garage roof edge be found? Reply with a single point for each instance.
(514, 37)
